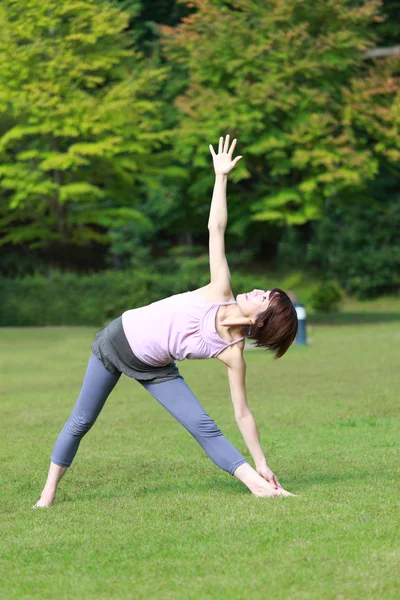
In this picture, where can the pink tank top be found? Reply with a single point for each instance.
(181, 326)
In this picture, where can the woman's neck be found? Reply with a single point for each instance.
(232, 319)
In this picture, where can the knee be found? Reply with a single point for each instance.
(79, 425)
(206, 427)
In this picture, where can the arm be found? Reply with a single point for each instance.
(245, 420)
(219, 270)
(243, 415)
(223, 164)
(218, 211)
(220, 275)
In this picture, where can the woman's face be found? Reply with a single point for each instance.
(252, 303)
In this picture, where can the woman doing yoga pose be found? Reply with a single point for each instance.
(209, 322)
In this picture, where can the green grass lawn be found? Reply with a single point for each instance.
(143, 513)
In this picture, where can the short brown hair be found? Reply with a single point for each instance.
(276, 328)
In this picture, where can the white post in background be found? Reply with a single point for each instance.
(301, 338)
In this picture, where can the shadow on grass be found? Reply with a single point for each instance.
(332, 478)
(158, 484)
(227, 488)
(208, 487)
(121, 486)
(352, 318)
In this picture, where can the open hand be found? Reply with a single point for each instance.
(223, 162)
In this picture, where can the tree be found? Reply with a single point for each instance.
(78, 122)
(283, 77)
(146, 15)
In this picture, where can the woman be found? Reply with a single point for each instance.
(205, 323)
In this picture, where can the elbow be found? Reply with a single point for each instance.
(242, 414)
(216, 227)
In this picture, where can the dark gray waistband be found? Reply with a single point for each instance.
(118, 340)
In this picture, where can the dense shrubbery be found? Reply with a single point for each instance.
(104, 158)
(326, 297)
(365, 256)
(356, 246)
(70, 299)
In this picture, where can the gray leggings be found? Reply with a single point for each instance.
(174, 395)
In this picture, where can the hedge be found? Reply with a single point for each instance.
(96, 298)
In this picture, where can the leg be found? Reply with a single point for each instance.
(176, 396)
(97, 386)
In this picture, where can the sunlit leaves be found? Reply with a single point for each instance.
(79, 121)
(286, 78)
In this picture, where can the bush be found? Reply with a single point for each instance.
(356, 245)
(291, 249)
(97, 298)
(326, 297)
(67, 299)
(359, 247)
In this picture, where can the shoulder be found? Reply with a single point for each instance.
(215, 293)
(232, 355)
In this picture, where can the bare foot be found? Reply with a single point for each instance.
(258, 485)
(283, 492)
(264, 493)
(263, 489)
(46, 499)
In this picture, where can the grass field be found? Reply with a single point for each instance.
(143, 513)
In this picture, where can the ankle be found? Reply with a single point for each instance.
(249, 477)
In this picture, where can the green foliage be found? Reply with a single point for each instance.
(284, 78)
(359, 247)
(94, 299)
(78, 122)
(146, 15)
(326, 297)
(68, 299)
(291, 249)
(86, 119)
(389, 27)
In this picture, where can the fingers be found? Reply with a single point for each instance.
(223, 148)
(274, 491)
(270, 480)
(226, 146)
(273, 480)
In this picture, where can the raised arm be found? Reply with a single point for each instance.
(219, 270)
(223, 164)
